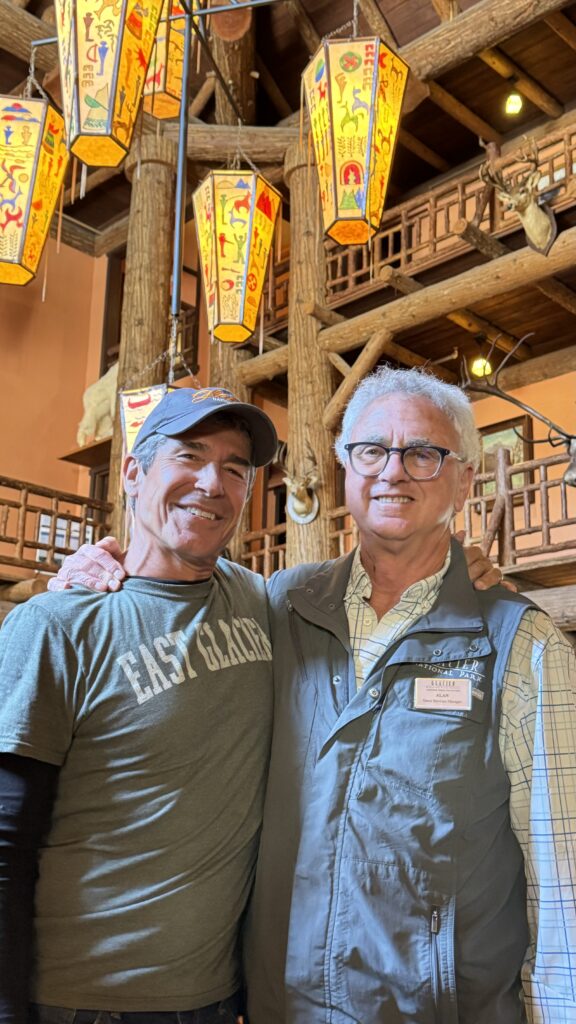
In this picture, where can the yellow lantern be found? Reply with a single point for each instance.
(33, 160)
(235, 214)
(354, 91)
(104, 51)
(163, 85)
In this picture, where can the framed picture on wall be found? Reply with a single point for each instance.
(515, 435)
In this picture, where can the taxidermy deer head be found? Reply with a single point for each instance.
(556, 435)
(536, 217)
(302, 501)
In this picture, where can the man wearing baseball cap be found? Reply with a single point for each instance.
(134, 737)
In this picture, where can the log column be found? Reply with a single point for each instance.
(151, 167)
(311, 377)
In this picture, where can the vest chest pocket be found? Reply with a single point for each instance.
(428, 750)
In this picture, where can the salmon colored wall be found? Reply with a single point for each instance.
(48, 353)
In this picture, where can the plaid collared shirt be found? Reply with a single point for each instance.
(537, 741)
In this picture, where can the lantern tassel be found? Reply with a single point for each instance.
(45, 281)
(83, 179)
(73, 185)
(60, 216)
(279, 228)
(261, 338)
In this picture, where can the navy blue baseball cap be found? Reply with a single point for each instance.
(184, 408)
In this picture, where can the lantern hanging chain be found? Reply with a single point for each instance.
(31, 80)
(162, 358)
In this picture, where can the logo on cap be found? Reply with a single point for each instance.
(214, 395)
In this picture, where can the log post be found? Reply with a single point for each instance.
(232, 40)
(311, 377)
(151, 167)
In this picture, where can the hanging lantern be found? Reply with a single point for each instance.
(163, 85)
(33, 160)
(235, 214)
(136, 404)
(104, 57)
(354, 91)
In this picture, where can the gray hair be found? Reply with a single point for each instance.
(450, 399)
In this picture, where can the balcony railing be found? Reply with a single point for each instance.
(520, 514)
(418, 233)
(40, 526)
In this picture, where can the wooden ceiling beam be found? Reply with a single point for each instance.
(19, 28)
(450, 105)
(528, 86)
(446, 10)
(515, 270)
(563, 27)
(414, 145)
(306, 28)
(492, 248)
(465, 318)
(487, 23)
(203, 96)
(272, 89)
(112, 237)
(377, 22)
(232, 42)
(217, 143)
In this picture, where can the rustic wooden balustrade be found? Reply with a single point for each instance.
(37, 524)
(529, 520)
(419, 233)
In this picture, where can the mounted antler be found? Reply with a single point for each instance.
(302, 500)
(489, 386)
(535, 216)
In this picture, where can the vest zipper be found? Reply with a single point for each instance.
(435, 957)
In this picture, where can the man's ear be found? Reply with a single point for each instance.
(464, 485)
(132, 475)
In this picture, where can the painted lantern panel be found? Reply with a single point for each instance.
(104, 48)
(235, 214)
(33, 161)
(163, 85)
(354, 91)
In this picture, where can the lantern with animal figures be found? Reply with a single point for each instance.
(33, 160)
(104, 48)
(235, 214)
(163, 85)
(354, 91)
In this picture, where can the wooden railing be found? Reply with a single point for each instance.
(525, 508)
(39, 525)
(418, 233)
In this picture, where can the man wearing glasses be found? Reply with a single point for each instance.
(418, 849)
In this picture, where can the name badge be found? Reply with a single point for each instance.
(443, 694)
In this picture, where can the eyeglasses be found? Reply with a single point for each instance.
(420, 461)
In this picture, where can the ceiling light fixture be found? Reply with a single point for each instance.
(514, 104)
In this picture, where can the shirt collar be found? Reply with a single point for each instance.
(360, 585)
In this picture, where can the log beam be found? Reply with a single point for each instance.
(563, 27)
(446, 10)
(365, 362)
(517, 269)
(422, 151)
(524, 83)
(339, 363)
(77, 236)
(491, 247)
(232, 45)
(19, 28)
(272, 89)
(325, 316)
(377, 22)
(466, 318)
(203, 96)
(311, 377)
(306, 28)
(485, 24)
(218, 143)
(450, 105)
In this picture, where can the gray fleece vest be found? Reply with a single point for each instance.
(390, 883)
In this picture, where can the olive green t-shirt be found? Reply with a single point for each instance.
(156, 703)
